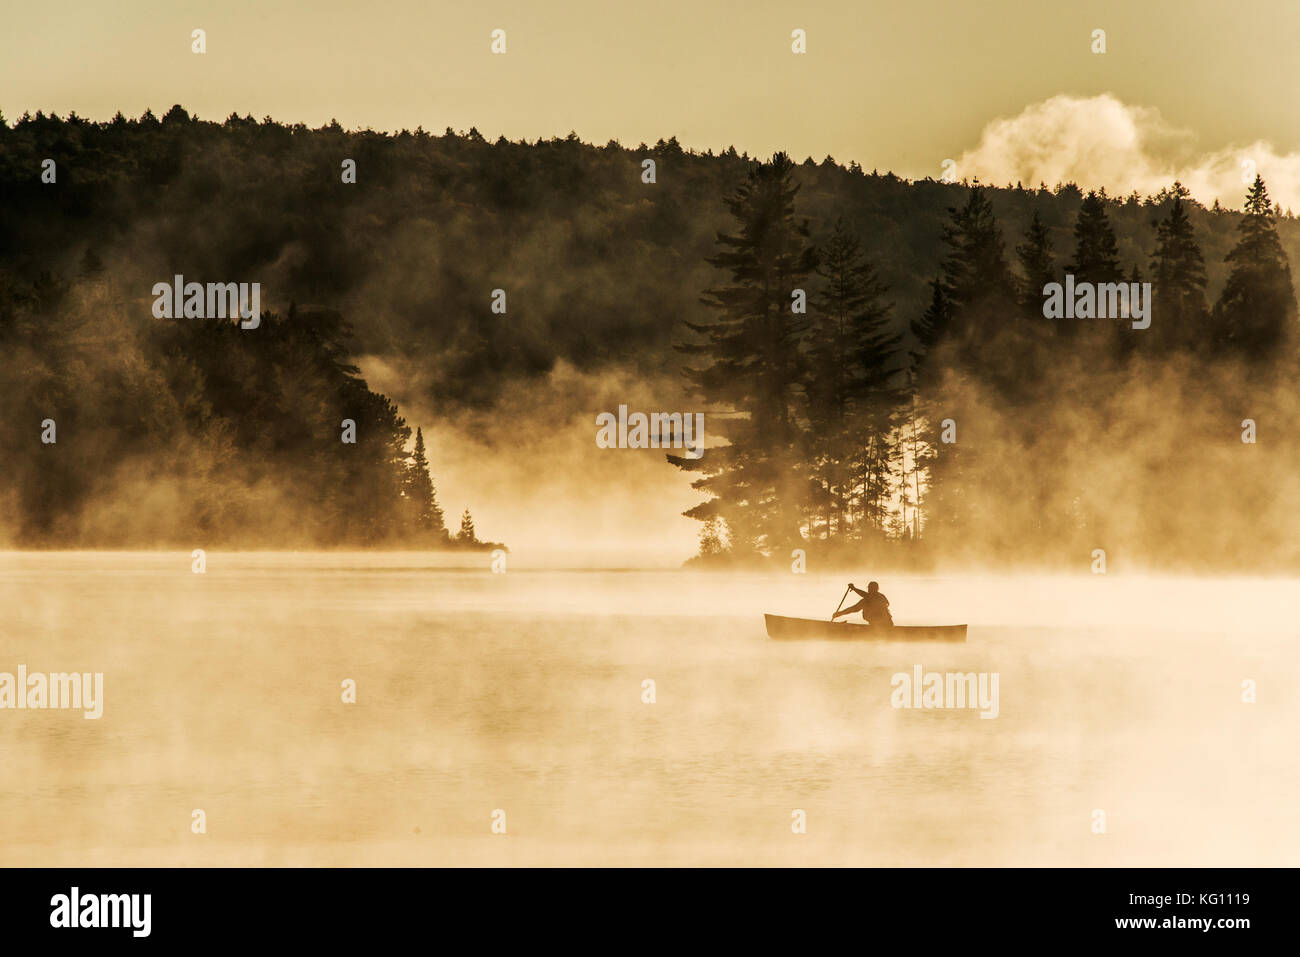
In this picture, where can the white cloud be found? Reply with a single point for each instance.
(1100, 141)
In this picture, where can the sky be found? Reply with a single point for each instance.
(1007, 89)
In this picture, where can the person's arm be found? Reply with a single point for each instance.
(855, 588)
(847, 611)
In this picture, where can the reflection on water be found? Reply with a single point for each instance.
(523, 692)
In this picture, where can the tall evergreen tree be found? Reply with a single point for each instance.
(1038, 266)
(1178, 281)
(1096, 254)
(428, 517)
(947, 468)
(979, 291)
(975, 273)
(978, 314)
(852, 348)
(932, 326)
(1096, 261)
(1257, 308)
(844, 291)
(755, 369)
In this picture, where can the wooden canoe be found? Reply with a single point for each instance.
(788, 629)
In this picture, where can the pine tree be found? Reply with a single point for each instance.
(1038, 266)
(978, 288)
(932, 326)
(466, 535)
(975, 272)
(755, 368)
(1178, 312)
(1257, 308)
(949, 473)
(844, 292)
(976, 310)
(1096, 254)
(852, 349)
(1096, 261)
(915, 454)
(428, 517)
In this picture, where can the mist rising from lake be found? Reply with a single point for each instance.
(523, 692)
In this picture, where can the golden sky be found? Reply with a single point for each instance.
(899, 86)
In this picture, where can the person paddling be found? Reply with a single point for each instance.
(874, 606)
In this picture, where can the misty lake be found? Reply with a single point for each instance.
(523, 693)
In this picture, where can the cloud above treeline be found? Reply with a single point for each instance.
(1101, 141)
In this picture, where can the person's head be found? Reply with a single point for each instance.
(873, 587)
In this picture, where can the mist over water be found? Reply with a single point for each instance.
(522, 691)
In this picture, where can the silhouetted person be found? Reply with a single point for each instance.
(874, 606)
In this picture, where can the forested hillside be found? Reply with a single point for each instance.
(598, 265)
(922, 309)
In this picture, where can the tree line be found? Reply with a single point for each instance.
(1061, 428)
(121, 430)
(850, 435)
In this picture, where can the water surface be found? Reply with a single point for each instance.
(523, 692)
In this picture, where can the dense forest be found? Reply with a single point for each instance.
(999, 432)
(919, 407)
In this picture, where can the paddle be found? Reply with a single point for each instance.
(841, 604)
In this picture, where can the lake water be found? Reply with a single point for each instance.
(522, 692)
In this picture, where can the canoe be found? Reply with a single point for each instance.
(788, 629)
